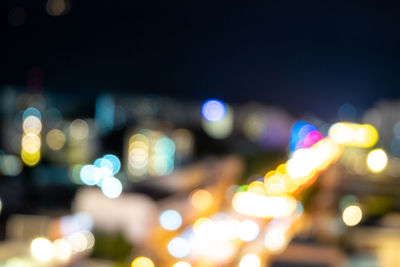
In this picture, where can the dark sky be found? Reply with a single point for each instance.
(307, 58)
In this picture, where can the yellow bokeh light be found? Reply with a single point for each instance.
(31, 143)
(377, 160)
(353, 134)
(201, 199)
(202, 225)
(250, 260)
(79, 130)
(257, 187)
(30, 159)
(55, 139)
(352, 215)
(142, 262)
(182, 264)
(263, 206)
(42, 249)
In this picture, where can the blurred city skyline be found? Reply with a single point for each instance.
(307, 59)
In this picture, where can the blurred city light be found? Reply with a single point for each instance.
(352, 215)
(179, 247)
(63, 249)
(55, 139)
(182, 264)
(219, 128)
(42, 249)
(201, 199)
(213, 110)
(111, 187)
(250, 260)
(170, 220)
(352, 134)
(377, 160)
(142, 262)
(248, 230)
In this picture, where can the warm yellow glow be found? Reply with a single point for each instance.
(353, 134)
(30, 159)
(62, 249)
(138, 154)
(275, 240)
(31, 143)
(202, 225)
(250, 260)
(352, 215)
(81, 241)
(42, 249)
(55, 139)
(279, 184)
(263, 206)
(142, 262)
(306, 162)
(79, 130)
(182, 264)
(201, 199)
(377, 160)
(257, 187)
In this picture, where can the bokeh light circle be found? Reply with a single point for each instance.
(170, 220)
(111, 187)
(213, 110)
(179, 247)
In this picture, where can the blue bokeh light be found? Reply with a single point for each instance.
(213, 110)
(116, 163)
(31, 112)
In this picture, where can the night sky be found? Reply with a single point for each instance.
(307, 58)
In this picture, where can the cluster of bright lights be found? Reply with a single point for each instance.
(264, 206)
(271, 198)
(221, 233)
(150, 152)
(305, 164)
(353, 134)
(31, 138)
(101, 173)
(62, 249)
